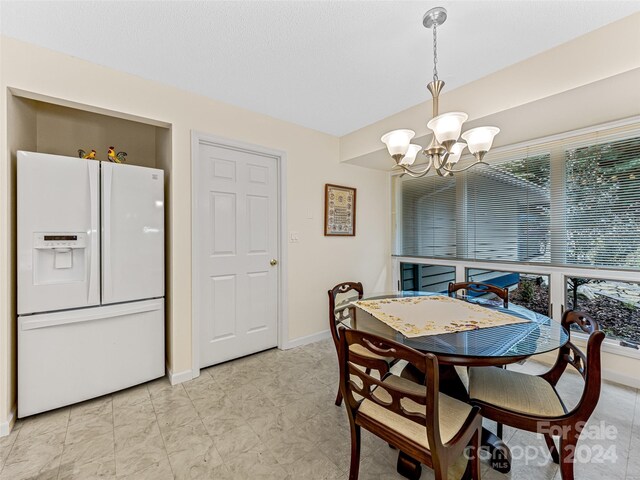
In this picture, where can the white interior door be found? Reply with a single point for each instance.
(237, 202)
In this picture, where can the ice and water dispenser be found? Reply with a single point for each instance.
(59, 257)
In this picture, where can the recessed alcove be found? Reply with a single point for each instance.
(47, 125)
(44, 124)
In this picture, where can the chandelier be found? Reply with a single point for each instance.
(445, 149)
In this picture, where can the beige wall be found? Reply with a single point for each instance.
(314, 264)
(607, 100)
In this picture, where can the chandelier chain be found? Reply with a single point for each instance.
(435, 54)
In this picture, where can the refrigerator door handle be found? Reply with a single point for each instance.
(78, 316)
(107, 278)
(94, 234)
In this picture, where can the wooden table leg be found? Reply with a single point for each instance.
(500, 459)
(451, 384)
(500, 455)
(408, 467)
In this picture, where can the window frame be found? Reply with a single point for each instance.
(506, 270)
(618, 354)
(557, 292)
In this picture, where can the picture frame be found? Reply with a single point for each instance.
(339, 211)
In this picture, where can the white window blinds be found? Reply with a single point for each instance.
(429, 217)
(573, 200)
(602, 204)
(506, 211)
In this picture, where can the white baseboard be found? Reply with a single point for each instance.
(617, 377)
(300, 341)
(179, 377)
(6, 426)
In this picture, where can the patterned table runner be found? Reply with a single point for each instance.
(434, 315)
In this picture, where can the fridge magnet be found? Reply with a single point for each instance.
(89, 156)
(116, 157)
(339, 211)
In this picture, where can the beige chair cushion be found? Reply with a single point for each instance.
(514, 391)
(453, 413)
(364, 352)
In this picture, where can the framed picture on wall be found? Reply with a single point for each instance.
(339, 211)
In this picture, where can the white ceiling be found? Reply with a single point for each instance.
(332, 66)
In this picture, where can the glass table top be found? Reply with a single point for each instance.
(541, 334)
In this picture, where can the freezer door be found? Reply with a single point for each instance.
(69, 357)
(132, 233)
(57, 228)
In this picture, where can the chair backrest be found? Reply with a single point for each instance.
(588, 366)
(354, 381)
(481, 288)
(335, 317)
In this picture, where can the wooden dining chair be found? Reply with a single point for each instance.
(480, 288)
(418, 420)
(532, 403)
(339, 311)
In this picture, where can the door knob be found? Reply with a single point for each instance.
(273, 262)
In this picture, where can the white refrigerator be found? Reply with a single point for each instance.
(90, 279)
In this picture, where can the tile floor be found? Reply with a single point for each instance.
(270, 415)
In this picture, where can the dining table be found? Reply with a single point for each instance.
(490, 347)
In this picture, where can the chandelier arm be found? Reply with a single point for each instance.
(413, 174)
(450, 170)
(442, 160)
(417, 173)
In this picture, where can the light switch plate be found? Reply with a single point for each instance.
(294, 237)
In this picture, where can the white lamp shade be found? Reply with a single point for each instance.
(456, 152)
(480, 139)
(447, 127)
(398, 141)
(410, 156)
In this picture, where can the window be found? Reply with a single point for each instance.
(602, 207)
(429, 217)
(573, 201)
(496, 212)
(614, 304)
(416, 277)
(528, 290)
(505, 214)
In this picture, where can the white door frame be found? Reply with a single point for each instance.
(198, 138)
